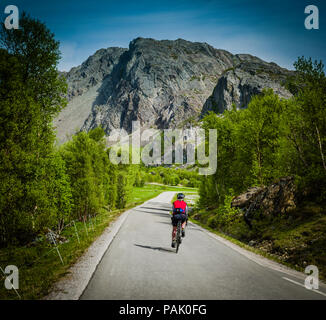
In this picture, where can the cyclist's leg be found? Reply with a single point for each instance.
(174, 229)
(184, 221)
(183, 225)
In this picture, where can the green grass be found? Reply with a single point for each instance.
(227, 70)
(39, 267)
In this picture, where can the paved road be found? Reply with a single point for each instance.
(140, 264)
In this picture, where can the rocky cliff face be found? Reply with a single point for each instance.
(84, 83)
(92, 72)
(238, 84)
(162, 84)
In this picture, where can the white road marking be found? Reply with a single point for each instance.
(300, 284)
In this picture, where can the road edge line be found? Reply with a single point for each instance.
(301, 285)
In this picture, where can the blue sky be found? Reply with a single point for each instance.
(272, 30)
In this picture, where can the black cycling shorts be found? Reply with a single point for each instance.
(178, 216)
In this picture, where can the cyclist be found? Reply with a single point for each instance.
(179, 212)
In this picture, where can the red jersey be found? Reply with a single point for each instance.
(179, 206)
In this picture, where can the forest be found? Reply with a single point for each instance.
(273, 138)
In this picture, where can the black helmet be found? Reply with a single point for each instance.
(180, 196)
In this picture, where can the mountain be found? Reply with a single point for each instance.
(162, 84)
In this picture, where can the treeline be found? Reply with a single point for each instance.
(93, 180)
(43, 186)
(270, 139)
(172, 176)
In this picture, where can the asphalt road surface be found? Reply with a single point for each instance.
(140, 264)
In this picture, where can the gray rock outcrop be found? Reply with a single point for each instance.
(278, 198)
(238, 84)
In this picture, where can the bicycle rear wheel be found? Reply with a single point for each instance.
(178, 237)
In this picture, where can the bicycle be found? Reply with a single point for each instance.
(178, 236)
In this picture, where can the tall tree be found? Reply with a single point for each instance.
(31, 94)
(305, 124)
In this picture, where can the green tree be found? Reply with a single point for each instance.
(123, 189)
(38, 52)
(304, 126)
(82, 168)
(258, 136)
(111, 186)
(31, 95)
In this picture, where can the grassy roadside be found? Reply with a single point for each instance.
(39, 267)
(39, 264)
